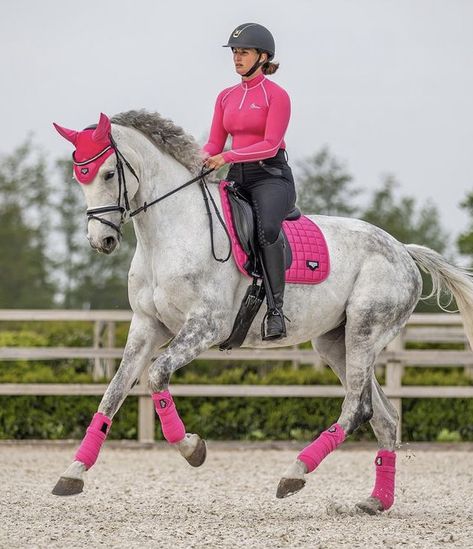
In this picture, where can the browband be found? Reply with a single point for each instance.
(74, 161)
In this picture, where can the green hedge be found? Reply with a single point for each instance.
(28, 417)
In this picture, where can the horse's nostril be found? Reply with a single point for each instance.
(108, 242)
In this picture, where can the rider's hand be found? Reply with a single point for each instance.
(215, 162)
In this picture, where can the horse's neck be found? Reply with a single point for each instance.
(180, 216)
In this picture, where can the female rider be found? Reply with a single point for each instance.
(256, 114)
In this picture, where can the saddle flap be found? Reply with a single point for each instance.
(244, 224)
(243, 220)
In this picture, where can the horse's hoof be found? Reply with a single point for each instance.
(68, 486)
(370, 505)
(289, 486)
(198, 455)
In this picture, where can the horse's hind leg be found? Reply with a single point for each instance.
(145, 337)
(384, 424)
(352, 351)
(385, 418)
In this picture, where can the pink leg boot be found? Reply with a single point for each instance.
(171, 424)
(191, 447)
(95, 436)
(325, 443)
(385, 478)
(309, 459)
(382, 496)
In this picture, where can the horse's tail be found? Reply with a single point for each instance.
(456, 281)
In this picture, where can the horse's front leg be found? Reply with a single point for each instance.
(198, 334)
(145, 337)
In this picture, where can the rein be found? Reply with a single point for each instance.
(127, 213)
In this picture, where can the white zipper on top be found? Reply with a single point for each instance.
(243, 99)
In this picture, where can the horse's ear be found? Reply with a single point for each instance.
(70, 135)
(103, 129)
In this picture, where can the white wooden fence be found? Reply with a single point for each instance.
(103, 355)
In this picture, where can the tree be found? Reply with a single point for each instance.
(24, 223)
(465, 240)
(403, 219)
(325, 186)
(410, 224)
(88, 279)
(70, 225)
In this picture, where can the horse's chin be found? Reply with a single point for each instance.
(105, 251)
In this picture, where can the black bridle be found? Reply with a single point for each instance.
(127, 213)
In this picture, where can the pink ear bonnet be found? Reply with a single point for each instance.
(93, 147)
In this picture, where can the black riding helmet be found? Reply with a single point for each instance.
(253, 35)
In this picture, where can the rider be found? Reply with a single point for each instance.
(256, 114)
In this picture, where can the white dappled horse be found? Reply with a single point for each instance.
(179, 294)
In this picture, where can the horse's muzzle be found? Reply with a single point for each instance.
(106, 245)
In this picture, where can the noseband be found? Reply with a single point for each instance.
(127, 213)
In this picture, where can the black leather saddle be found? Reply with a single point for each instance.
(245, 225)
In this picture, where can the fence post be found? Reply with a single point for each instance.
(146, 414)
(394, 371)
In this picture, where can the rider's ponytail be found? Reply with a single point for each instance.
(270, 68)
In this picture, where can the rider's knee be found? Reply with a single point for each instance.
(268, 234)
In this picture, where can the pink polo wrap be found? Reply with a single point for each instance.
(95, 436)
(313, 454)
(383, 490)
(171, 424)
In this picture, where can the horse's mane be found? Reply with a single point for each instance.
(165, 135)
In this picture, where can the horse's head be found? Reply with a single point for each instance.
(108, 180)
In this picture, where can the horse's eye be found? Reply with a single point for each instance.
(109, 175)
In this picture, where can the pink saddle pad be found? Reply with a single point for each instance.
(310, 257)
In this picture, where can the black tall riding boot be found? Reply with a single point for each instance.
(274, 262)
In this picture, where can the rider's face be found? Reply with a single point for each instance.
(244, 59)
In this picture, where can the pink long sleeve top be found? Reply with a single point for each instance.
(256, 114)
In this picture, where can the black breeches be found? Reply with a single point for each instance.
(272, 195)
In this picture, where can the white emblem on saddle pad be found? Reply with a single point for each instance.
(254, 106)
(312, 265)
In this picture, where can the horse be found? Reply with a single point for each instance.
(183, 298)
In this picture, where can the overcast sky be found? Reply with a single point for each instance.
(388, 85)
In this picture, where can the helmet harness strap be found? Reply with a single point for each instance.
(258, 63)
